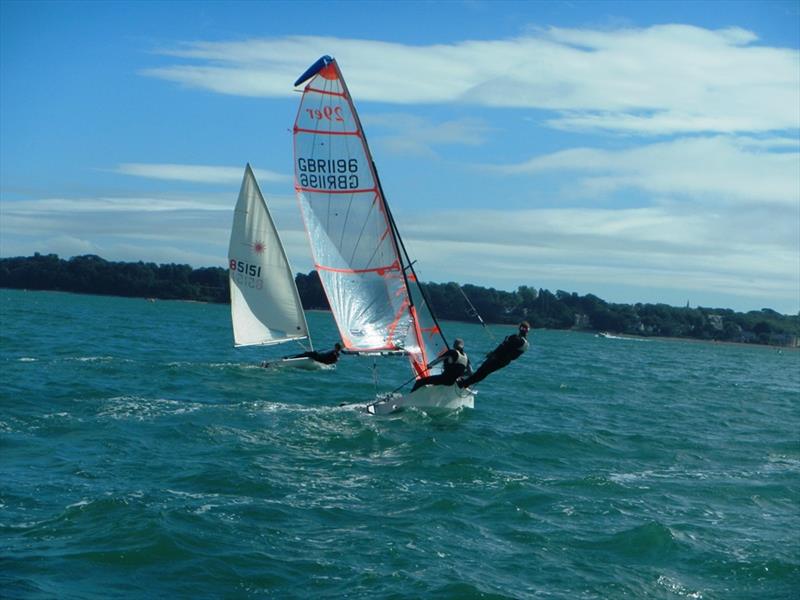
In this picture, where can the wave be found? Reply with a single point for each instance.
(675, 587)
(643, 543)
(140, 408)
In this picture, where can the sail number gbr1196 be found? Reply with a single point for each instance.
(328, 174)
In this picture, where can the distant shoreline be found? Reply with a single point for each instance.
(588, 332)
(543, 309)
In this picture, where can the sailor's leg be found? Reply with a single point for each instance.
(419, 383)
(489, 366)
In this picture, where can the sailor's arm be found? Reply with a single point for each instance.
(440, 358)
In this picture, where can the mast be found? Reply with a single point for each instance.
(398, 242)
(410, 266)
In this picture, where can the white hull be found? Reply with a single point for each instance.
(308, 364)
(430, 398)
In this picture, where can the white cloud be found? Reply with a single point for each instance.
(667, 249)
(72, 226)
(165, 254)
(53, 206)
(65, 245)
(661, 79)
(658, 248)
(720, 170)
(196, 173)
(413, 135)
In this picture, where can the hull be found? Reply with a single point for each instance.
(431, 398)
(308, 364)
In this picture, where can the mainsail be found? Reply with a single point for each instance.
(265, 305)
(364, 268)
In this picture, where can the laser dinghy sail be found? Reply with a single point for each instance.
(265, 305)
(371, 285)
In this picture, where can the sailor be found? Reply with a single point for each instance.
(326, 358)
(456, 364)
(509, 349)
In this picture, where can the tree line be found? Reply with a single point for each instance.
(542, 308)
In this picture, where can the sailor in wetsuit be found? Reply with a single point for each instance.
(456, 364)
(509, 349)
(326, 358)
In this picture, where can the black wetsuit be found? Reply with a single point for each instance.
(326, 358)
(455, 365)
(509, 349)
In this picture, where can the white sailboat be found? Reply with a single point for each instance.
(265, 304)
(377, 302)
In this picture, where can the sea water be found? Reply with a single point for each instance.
(141, 456)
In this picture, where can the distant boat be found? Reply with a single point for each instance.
(265, 304)
(373, 290)
(608, 336)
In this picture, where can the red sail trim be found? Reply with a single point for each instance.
(391, 347)
(379, 270)
(329, 72)
(298, 188)
(422, 370)
(355, 133)
(325, 92)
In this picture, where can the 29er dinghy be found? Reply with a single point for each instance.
(376, 300)
(265, 305)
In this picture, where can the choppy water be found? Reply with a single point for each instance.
(142, 456)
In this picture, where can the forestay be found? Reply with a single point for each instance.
(358, 253)
(265, 305)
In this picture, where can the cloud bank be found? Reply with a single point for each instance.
(664, 252)
(663, 79)
(196, 173)
(719, 170)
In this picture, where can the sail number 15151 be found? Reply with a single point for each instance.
(331, 113)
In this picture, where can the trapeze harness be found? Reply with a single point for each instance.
(452, 364)
(506, 352)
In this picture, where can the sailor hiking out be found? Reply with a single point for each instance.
(326, 358)
(511, 348)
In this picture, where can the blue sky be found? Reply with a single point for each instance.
(639, 151)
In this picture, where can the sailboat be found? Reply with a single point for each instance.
(265, 304)
(372, 288)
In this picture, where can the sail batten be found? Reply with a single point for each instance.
(354, 241)
(353, 133)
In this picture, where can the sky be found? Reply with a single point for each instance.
(637, 151)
